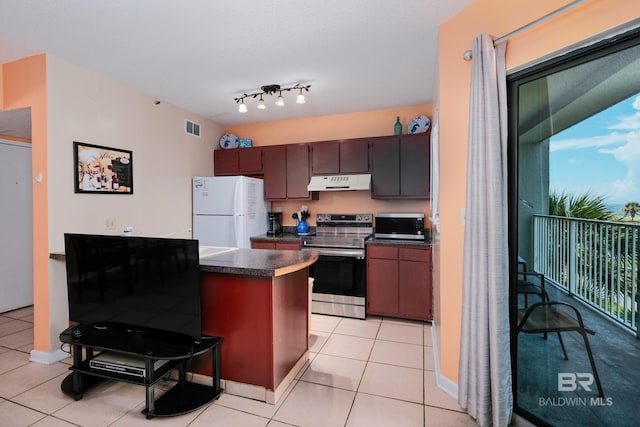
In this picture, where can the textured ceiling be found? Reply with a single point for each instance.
(358, 55)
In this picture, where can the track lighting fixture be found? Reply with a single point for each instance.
(272, 90)
(261, 104)
(242, 107)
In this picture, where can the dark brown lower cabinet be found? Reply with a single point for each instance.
(399, 281)
(282, 246)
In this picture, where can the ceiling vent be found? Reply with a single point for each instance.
(192, 128)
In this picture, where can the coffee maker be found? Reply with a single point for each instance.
(274, 223)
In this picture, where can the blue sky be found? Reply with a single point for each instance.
(600, 155)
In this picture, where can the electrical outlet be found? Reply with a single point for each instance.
(110, 224)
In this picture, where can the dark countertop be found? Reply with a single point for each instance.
(249, 262)
(258, 262)
(285, 237)
(394, 242)
(292, 237)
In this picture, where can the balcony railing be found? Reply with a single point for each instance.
(596, 261)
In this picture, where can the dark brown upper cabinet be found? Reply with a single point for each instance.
(340, 157)
(286, 172)
(400, 167)
(238, 161)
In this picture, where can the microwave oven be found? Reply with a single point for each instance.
(404, 226)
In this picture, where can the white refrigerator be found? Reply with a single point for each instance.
(228, 210)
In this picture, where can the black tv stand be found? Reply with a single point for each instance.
(172, 354)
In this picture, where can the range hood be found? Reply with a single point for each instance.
(340, 182)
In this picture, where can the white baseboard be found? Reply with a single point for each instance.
(48, 357)
(443, 383)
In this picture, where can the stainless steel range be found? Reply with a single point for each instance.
(339, 286)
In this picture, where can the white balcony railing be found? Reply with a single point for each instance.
(597, 261)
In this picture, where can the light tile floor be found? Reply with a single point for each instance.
(374, 372)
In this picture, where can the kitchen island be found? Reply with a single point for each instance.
(257, 300)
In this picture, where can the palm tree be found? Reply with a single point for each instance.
(583, 205)
(631, 208)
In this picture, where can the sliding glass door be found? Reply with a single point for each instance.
(574, 245)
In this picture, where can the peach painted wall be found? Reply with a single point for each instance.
(25, 85)
(69, 103)
(343, 126)
(495, 17)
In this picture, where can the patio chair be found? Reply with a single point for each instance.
(531, 283)
(554, 316)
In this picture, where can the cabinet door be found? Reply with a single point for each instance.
(262, 245)
(325, 158)
(225, 162)
(297, 173)
(414, 290)
(414, 166)
(250, 160)
(275, 172)
(385, 167)
(288, 246)
(354, 156)
(382, 286)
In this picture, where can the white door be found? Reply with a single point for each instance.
(16, 226)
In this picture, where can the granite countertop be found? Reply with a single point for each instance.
(398, 242)
(292, 237)
(248, 262)
(258, 262)
(284, 237)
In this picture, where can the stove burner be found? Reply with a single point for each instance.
(340, 231)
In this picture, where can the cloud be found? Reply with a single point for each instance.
(631, 122)
(623, 144)
(627, 122)
(628, 155)
(593, 141)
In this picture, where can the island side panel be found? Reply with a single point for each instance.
(239, 309)
(290, 317)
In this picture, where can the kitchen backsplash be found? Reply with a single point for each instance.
(348, 202)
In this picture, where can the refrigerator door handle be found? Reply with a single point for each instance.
(236, 212)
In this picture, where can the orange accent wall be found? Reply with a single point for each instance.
(495, 17)
(322, 128)
(24, 84)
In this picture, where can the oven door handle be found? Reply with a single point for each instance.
(351, 253)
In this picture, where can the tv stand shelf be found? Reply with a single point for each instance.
(88, 342)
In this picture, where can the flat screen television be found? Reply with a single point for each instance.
(144, 284)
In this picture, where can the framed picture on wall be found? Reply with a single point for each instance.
(102, 170)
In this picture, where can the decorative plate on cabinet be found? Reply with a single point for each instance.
(228, 140)
(419, 124)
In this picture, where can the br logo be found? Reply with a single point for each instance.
(568, 381)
